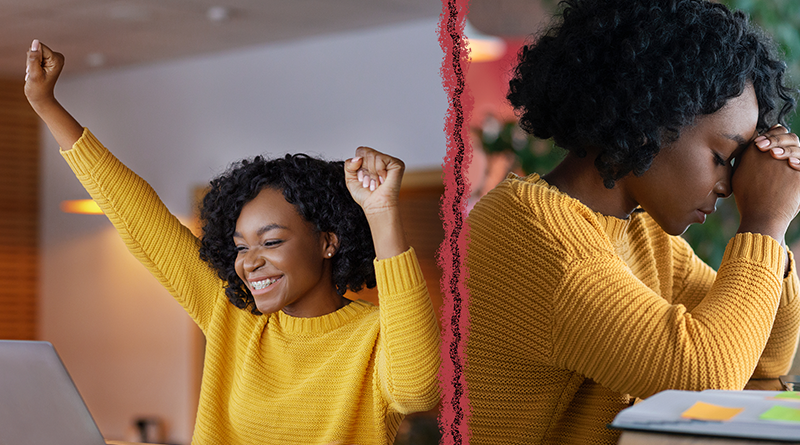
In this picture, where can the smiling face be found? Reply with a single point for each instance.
(283, 259)
(686, 177)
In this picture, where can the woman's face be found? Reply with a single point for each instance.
(686, 177)
(282, 258)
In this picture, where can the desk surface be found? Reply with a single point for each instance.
(117, 442)
(642, 438)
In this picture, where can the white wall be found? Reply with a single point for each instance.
(125, 342)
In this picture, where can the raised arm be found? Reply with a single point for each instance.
(43, 68)
(408, 359)
(152, 234)
(373, 179)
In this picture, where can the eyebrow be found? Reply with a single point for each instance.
(736, 138)
(262, 230)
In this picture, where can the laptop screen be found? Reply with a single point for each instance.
(39, 403)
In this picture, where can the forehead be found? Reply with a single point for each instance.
(269, 207)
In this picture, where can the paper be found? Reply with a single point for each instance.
(784, 413)
(708, 411)
(788, 395)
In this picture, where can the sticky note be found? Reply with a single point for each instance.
(787, 395)
(708, 411)
(784, 413)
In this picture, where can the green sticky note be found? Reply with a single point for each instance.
(792, 395)
(779, 412)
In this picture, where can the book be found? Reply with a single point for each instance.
(770, 415)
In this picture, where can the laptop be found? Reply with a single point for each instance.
(39, 403)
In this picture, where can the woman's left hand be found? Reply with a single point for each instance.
(373, 179)
(781, 144)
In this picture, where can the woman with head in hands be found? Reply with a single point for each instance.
(583, 296)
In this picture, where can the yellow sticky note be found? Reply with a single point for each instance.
(784, 413)
(707, 411)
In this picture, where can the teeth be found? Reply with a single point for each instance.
(258, 285)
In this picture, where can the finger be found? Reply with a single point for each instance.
(352, 165)
(768, 139)
(33, 65)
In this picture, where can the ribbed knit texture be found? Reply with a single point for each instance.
(573, 314)
(348, 376)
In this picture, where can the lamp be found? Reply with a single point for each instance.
(81, 206)
(483, 48)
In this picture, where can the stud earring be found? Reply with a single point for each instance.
(329, 254)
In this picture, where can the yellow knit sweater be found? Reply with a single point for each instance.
(573, 314)
(348, 376)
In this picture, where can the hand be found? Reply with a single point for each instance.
(766, 189)
(42, 70)
(781, 145)
(373, 179)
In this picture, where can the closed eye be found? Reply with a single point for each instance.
(719, 161)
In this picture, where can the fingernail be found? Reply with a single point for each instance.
(794, 161)
(35, 45)
(356, 159)
(365, 182)
(777, 151)
(372, 185)
(26, 77)
(380, 178)
(360, 176)
(762, 143)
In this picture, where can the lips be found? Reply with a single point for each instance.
(261, 284)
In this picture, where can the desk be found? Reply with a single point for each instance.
(640, 438)
(117, 442)
(647, 438)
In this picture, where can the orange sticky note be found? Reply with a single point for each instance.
(708, 411)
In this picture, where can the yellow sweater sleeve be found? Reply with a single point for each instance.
(595, 318)
(153, 235)
(693, 281)
(408, 359)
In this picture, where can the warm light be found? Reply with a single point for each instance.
(483, 48)
(81, 206)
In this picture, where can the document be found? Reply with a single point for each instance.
(772, 415)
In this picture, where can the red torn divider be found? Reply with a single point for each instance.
(454, 415)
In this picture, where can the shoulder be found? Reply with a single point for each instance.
(528, 211)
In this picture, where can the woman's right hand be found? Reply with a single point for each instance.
(42, 70)
(767, 187)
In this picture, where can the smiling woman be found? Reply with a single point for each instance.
(288, 359)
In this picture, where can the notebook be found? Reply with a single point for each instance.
(39, 403)
(770, 415)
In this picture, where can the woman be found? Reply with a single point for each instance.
(288, 358)
(582, 296)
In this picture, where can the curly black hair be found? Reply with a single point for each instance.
(623, 77)
(316, 188)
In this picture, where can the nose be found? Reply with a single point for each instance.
(253, 260)
(723, 187)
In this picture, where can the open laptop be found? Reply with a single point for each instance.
(39, 403)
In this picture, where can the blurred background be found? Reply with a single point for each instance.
(178, 89)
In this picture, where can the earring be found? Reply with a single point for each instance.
(329, 254)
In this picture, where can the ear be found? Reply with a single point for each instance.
(330, 244)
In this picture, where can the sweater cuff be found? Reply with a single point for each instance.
(85, 153)
(761, 249)
(398, 273)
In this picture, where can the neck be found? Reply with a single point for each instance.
(579, 178)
